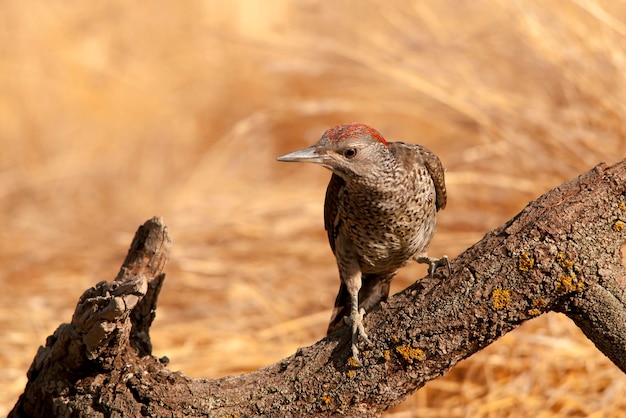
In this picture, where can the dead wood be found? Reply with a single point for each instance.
(565, 252)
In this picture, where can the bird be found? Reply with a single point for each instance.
(379, 213)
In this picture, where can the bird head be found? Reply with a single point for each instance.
(351, 150)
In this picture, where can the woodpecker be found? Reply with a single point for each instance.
(379, 213)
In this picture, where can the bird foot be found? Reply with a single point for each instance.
(434, 263)
(355, 320)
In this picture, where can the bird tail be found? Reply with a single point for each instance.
(374, 289)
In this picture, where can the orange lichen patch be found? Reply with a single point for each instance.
(501, 298)
(409, 353)
(622, 206)
(352, 362)
(580, 285)
(351, 374)
(386, 355)
(569, 283)
(619, 226)
(525, 261)
(325, 400)
(538, 304)
(563, 261)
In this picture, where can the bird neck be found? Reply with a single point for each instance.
(379, 183)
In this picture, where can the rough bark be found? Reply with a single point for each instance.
(564, 252)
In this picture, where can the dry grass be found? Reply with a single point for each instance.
(111, 112)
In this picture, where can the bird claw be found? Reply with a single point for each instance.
(444, 261)
(355, 320)
(433, 263)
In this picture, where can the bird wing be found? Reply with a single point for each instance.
(433, 166)
(331, 218)
(437, 172)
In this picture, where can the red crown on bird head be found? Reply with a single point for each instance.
(353, 130)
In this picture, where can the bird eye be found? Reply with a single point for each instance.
(349, 152)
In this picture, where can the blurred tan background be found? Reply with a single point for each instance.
(112, 112)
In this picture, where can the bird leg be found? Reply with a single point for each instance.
(355, 320)
(351, 276)
(434, 263)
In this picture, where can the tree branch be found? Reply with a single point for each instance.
(564, 252)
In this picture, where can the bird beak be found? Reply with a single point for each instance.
(307, 155)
